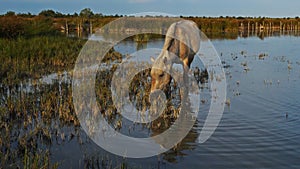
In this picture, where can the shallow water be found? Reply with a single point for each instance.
(259, 129)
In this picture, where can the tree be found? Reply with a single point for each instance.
(86, 13)
(25, 15)
(10, 13)
(98, 15)
(47, 13)
(59, 15)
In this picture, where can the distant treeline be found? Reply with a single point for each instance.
(49, 22)
(87, 12)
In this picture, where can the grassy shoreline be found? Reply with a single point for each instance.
(32, 57)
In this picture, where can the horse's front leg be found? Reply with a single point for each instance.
(185, 86)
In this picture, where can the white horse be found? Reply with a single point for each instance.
(181, 44)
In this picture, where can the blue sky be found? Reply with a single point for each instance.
(269, 8)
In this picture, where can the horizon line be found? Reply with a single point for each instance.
(179, 15)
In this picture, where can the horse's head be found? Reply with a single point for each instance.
(160, 72)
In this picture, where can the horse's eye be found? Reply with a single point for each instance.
(161, 75)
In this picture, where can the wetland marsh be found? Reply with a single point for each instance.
(259, 128)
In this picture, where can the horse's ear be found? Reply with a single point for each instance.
(152, 59)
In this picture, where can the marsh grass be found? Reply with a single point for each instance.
(33, 115)
(27, 129)
(24, 58)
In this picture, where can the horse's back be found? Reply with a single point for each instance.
(183, 39)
